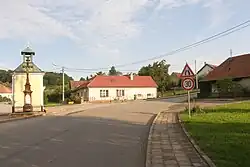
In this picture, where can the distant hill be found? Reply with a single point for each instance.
(50, 78)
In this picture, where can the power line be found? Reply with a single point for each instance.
(187, 47)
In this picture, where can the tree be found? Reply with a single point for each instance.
(6, 76)
(52, 79)
(113, 71)
(100, 73)
(82, 79)
(159, 72)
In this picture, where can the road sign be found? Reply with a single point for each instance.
(187, 72)
(188, 84)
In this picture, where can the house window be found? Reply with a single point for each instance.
(120, 93)
(104, 93)
(149, 95)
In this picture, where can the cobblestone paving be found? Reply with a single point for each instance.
(169, 147)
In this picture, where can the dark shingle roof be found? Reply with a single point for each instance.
(233, 67)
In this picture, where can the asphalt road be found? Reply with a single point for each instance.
(111, 136)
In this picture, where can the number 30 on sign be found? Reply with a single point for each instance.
(188, 84)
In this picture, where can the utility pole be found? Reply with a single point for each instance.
(63, 71)
(196, 77)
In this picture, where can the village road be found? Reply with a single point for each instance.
(108, 136)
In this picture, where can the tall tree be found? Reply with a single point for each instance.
(100, 73)
(159, 72)
(82, 79)
(6, 76)
(113, 71)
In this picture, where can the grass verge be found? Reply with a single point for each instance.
(223, 133)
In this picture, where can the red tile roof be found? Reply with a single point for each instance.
(75, 84)
(233, 67)
(177, 74)
(115, 81)
(122, 81)
(4, 89)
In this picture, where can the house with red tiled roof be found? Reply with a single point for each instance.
(5, 91)
(236, 68)
(176, 74)
(109, 88)
(205, 69)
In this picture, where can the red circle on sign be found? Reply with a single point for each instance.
(187, 84)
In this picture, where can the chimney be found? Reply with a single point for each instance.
(131, 76)
(205, 63)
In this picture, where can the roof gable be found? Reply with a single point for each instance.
(233, 67)
(206, 65)
(21, 69)
(76, 84)
(122, 81)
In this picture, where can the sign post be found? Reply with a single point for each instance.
(188, 83)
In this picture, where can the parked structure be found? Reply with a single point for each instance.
(5, 92)
(19, 80)
(205, 70)
(235, 68)
(109, 88)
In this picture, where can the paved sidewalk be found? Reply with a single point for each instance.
(168, 146)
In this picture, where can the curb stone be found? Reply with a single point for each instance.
(148, 155)
(22, 118)
(197, 148)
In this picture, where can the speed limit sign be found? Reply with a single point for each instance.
(188, 83)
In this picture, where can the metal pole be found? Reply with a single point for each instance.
(196, 77)
(63, 84)
(189, 105)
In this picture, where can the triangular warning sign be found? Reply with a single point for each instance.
(187, 72)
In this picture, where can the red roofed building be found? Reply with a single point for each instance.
(236, 68)
(5, 91)
(109, 88)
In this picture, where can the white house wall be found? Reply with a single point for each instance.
(204, 71)
(36, 82)
(94, 93)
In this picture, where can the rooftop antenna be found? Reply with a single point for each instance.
(231, 53)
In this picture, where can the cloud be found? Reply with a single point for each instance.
(74, 19)
(219, 12)
(86, 22)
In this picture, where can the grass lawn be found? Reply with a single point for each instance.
(223, 133)
(177, 92)
(52, 104)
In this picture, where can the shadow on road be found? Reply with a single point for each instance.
(73, 141)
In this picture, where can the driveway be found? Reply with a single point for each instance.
(110, 136)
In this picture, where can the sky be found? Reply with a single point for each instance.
(84, 34)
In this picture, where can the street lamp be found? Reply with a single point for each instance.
(27, 54)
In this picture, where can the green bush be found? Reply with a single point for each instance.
(4, 99)
(196, 109)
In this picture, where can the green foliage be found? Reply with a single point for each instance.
(4, 99)
(6, 76)
(75, 98)
(113, 71)
(227, 87)
(159, 72)
(82, 79)
(52, 79)
(222, 132)
(100, 73)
